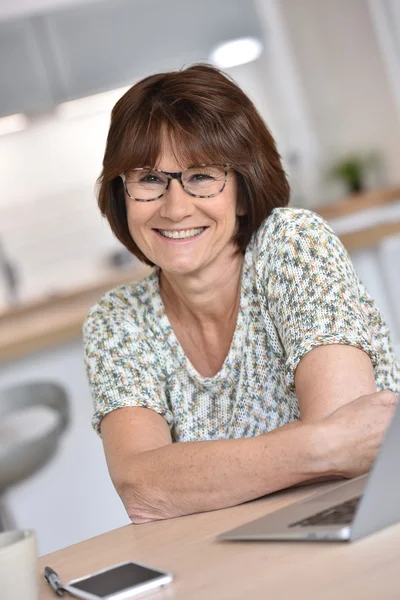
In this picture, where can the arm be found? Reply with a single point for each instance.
(157, 479)
(328, 377)
(313, 287)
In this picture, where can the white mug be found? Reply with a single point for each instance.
(18, 565)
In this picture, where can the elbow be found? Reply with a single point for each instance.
(139, 514)
(142, 503)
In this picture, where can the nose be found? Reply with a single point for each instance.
(177, 204)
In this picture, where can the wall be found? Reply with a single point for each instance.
(386, 21)
(341, 69)
(50, 226)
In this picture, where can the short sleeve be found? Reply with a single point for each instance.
(121, 366)
(313, 292)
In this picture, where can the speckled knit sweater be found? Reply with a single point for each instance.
(299, 290)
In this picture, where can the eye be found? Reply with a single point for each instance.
(200, 177)
(150, 178)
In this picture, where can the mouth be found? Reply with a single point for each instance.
(181, 234)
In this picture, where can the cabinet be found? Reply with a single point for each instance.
(87, 49)
(24, 84)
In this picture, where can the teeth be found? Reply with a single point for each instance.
(187, 233)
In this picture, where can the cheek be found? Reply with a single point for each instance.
(137, 216)
(225, 213)
(132, 223)
(232, 199)
(136, 231)
(232, 210)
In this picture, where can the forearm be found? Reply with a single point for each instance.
(191, 477)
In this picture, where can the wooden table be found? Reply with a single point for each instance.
(206, 569)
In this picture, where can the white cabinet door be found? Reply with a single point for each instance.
(101, 46)
(24, 86)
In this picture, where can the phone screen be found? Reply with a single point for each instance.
(116, 579)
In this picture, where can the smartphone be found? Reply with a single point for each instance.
(125, 580)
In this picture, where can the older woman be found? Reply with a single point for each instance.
(251, 358)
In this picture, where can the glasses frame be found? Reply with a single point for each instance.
(176, 175)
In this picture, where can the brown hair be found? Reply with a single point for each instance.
(208, 118)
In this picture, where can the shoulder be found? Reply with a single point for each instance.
(295, 242)
(295, 233)
(284, 224)
(128, 303)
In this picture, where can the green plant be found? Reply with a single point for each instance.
(352, 169)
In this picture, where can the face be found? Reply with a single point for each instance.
(207, 223)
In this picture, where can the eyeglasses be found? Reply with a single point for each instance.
(146, 185)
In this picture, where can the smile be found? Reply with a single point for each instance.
(181, 234)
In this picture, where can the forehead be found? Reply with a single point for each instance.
(171, 157)
(170, 147)
(180, 149)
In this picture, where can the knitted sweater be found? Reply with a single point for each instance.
(299, 290)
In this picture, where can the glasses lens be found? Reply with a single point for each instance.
(145, 184)
(204, 181)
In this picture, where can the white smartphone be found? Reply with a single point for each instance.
(125, 580)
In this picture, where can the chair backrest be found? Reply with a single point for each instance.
(24, 458)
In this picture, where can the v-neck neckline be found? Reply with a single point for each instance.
(234, 353)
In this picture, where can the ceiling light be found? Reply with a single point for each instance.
(236, 52)
(13, 123)
(90, 105)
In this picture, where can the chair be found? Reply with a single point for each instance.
(22, 459)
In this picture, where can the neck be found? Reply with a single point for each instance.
(206, 297)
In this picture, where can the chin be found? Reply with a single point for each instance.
(177, 268)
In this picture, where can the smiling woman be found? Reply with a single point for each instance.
(252, 358)
(200, 118)
(178, 230)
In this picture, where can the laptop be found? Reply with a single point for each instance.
(347, 512)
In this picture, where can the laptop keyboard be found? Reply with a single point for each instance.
(340, 514)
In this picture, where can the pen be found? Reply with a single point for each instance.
(54, 581)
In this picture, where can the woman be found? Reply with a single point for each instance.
(252, 344)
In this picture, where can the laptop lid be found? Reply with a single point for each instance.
(380, 503)
(378, 508)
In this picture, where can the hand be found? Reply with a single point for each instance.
(354, 432)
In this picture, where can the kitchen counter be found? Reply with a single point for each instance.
(57, 319)
(361, 222)
(364, 220)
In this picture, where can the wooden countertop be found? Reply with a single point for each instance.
(58, 319)
(362, 204)
(207, 569)
(359, 202)
(55, 320)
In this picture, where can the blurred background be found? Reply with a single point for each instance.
(325, 75)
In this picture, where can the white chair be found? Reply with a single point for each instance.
(22, 459)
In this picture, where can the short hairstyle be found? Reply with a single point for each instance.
(208, 119)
